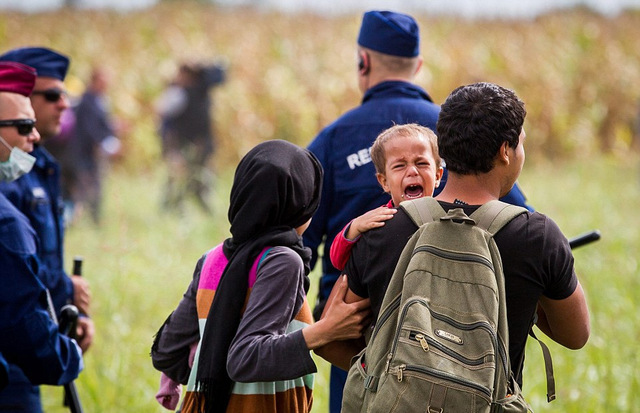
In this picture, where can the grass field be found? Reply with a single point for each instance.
(140, 261)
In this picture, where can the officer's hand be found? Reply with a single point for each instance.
(84, 333)
(81, 294)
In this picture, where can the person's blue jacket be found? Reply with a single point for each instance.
(30, 341)
(37, 195)
(4, 372)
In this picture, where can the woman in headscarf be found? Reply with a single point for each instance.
(246, 308)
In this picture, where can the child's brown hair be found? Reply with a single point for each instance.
(407, 130)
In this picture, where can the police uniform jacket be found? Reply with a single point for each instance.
(37, 195)
(30, 341)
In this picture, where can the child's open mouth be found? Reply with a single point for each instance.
(413, 192)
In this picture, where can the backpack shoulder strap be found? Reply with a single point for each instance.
(215, 262)
(548, 367)
(491, 217)
(494, 215)
(423, 210)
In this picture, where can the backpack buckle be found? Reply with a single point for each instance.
(371, 383)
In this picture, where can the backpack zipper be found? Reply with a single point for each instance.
(399, 373)
(420, 338)
(480, 324)
(385, 316)
(473, 258)
(426, 341)
(456, 256)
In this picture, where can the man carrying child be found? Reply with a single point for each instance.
(481, 138)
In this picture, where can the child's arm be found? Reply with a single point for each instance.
(344, 241)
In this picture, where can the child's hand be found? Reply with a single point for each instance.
(369, 220)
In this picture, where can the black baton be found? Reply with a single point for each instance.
(67, 326)
(584, 239)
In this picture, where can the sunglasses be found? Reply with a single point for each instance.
(24, 126)
(50, 95)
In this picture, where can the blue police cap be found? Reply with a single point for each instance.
(390, 33)
(46, 62)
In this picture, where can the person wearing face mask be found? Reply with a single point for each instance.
(30, 342)
(38, 194)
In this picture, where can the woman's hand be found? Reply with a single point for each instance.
(340, 320)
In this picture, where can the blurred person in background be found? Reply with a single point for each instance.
(60, 147)
(388, 60)
(186, 132)
(32, 351)
(93, 139)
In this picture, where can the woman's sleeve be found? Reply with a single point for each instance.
(262, 349)
(170, 350)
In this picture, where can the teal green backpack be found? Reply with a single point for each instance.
(440, 343)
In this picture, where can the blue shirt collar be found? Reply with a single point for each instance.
(395, 88)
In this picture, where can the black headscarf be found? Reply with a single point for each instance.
(276, 188)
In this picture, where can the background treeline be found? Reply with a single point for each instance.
(290, 75)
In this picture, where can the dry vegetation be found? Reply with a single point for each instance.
(292, 74)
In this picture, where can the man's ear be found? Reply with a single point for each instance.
(503, 153)
(419, 65)
(382, 180)
(363, 63)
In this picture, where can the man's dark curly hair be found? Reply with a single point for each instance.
(474, 121)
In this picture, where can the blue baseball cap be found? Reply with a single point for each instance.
(390, 33)
(46, 62)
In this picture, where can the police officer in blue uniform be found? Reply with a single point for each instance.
(388, 60)
(38, 194)
(30, 342)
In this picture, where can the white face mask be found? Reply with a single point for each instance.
(18, 164)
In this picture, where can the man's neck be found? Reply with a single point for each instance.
(469, 189)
